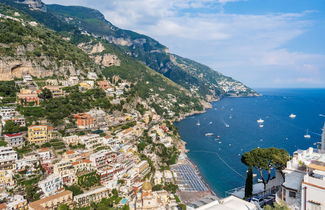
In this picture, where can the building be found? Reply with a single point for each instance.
(91, 141)
(143, 168)
(82, 165)
(18, 120)
(6, 178)
(7, 112)
(103, 84)
(53, 201)
(92, 76)
(52, 184)
(228, 203)
(40, 134)
(84, 121)
(8, 157)
(65, 169)
(17, 202)
(96, 195)
(26, 96)
(73, 140)
(14, 140)
(45, 153)
(103, 158)
(56, 91)
(27, 78)
(304, 186)
(149, 200)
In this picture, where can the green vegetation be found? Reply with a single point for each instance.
(11, 127)
(266, 159)
(89, 180)
(3, 143)
(249, 183)
(56, 109)
(182, 71)
(75, 189)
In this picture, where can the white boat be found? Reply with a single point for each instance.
(307, 136)
(260, 120)
(261, 125)
(227, 125)
(210, 123)
(292, 116)
(209, 134)
(198, 123)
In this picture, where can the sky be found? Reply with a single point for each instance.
(263, 43)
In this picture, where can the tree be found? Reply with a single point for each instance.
(249, 183)
(63, 207)
(266, 159)
(45, 94)
(11, 127)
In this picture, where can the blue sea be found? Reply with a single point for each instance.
(235, 121)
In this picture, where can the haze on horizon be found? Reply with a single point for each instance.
(263, 43)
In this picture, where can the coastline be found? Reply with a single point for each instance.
(206, 106)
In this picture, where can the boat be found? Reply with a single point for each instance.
(210, 123)
(198, 123)
(307, 136)
(260, 120)
(261, 125)
(227, 125)
(292, 116)
(209, 134)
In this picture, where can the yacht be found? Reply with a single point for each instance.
(227, 125)
(307, 136)
(292, 116)
(198, 123)
(261, 125)
(209, 134)
(260, 120)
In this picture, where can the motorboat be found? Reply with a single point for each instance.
(292, 116)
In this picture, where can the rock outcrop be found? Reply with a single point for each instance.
(107, 60)
(33, 4)
(11, 68)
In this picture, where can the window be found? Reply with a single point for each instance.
(292, 194)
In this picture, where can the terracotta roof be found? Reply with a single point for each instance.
(13, 135)
(43, 149)
(3, 206)
(75, 163)
(38, 204)
(87, 161)
(69, 152)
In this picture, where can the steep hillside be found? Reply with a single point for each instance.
(141, 47)
(28, 47)
(185, 72)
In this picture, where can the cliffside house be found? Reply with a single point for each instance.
(40, 134)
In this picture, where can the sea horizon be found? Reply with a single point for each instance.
(218, 159)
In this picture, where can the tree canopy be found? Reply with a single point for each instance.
(266, 159)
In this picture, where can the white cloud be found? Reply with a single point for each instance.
(248, 47)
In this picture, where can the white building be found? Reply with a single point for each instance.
(51, 184)
(304, 186)
(45, 153)
(14, 140)
(92, 75)
(91, 141)
(27, 78)
(7, 112)
(7, 153)
(73, 140)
